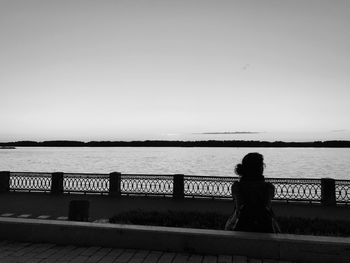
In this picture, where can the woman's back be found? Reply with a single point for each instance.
(253, 206)
(253, 193)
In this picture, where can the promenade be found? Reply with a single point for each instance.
(42, 240)
(47, 253)
(34, 225)
(13, 251)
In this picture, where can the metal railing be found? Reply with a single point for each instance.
(185, 186)
(342, 191)
(212, 187)
(31, 182)
(85, 183)
(142, 184)
(292, 189)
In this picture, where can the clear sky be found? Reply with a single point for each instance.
(161, 69)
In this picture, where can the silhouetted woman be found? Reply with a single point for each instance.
(252, 197)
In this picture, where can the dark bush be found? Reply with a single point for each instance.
(290, 225)
(172, 219)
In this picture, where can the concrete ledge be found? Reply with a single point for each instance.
(269, 246)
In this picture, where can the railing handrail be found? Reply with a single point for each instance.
(324, 190)
(186, 175)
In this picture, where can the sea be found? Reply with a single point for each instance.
(280, 162)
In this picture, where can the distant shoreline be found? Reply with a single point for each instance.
(163, 143)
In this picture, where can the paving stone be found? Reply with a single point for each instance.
(125, 256)
(210, 259)
(60, 252)
(79, 259)
(112, 255)
(141, 253)
(166, 257)
(9, 259)
(181, 257)
(152, 257)
(5, 254)
(90, 251)
(137, 260)
(195, 259)
(31, 260)
(139, 256)
(47, 253)
(224, 259)
(15, 246)
(239, 259)
(71, 254)
(24, 251)
(35, 253)
(99, 255)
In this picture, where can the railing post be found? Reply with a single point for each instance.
(4, 181)
(114, 184)
(328, 192)
(57, 183)
(178, 187)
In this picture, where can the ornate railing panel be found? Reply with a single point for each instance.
(296, 189)
(31, 182)
(144, 184)
(214, 187)
(286, 189)
(342, 191)
(86, 183)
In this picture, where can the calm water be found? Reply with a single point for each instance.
(280, 162)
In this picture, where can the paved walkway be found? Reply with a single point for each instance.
(47, 253)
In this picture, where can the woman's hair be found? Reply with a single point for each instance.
(252, 167)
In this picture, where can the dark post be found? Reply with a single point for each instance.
(57, 183)
(178, 189)
(4, 181)
(79, 210)
(114, 184)
(328, 192)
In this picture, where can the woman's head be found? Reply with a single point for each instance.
(252, 167)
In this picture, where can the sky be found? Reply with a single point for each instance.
(165, 69)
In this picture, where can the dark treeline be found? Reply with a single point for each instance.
(156, 143)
